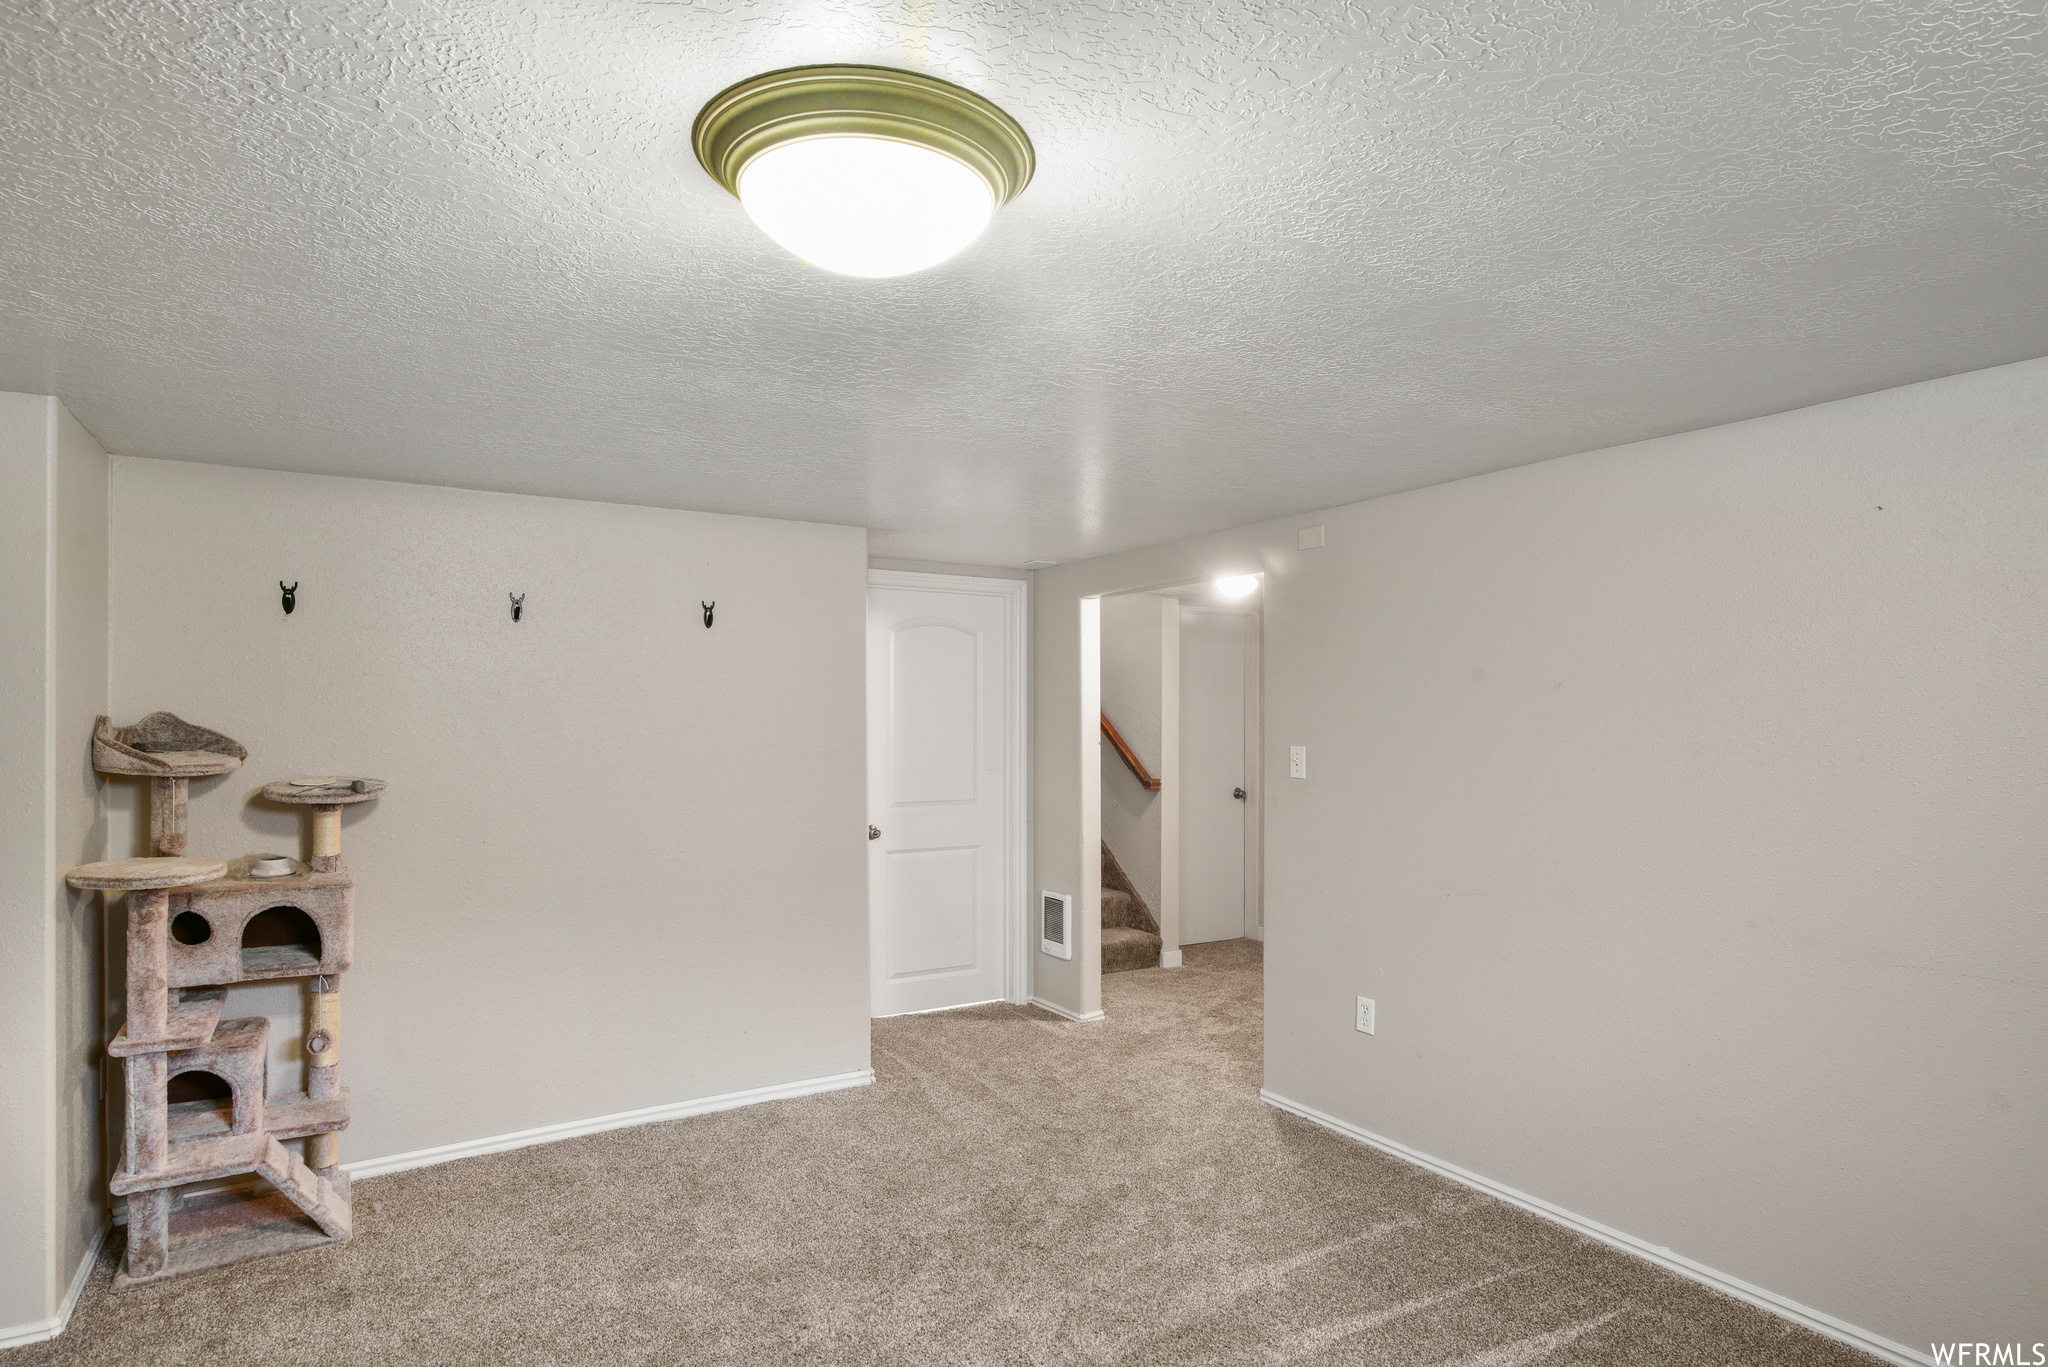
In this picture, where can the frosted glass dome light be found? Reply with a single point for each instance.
(1237, 585)
(865, 206)
(863, 170)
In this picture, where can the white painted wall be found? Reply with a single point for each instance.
(80, 611)
(1172, 850)
(1681, 805)
(1066, 789)
(948, 567)
(25, 860)
(1132, 699)
(53, 682)
(622, 859)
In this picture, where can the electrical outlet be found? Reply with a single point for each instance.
(1365, 1015)
(1297, 761)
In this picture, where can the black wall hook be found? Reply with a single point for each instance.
(518, 602)
(707, 611)
(289, 601)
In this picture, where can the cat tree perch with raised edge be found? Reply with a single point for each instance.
(195, 928)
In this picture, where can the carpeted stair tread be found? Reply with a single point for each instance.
(1124, 948)
(1130, 935)
(1119, 908)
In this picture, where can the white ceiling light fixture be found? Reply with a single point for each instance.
(1237, 585)
(864, 170)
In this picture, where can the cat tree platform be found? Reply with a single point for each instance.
(292, 1115)
(326, 795)
(145, 875)
(167, 750)
(324, 792)
(163, 745)
(188, 1023)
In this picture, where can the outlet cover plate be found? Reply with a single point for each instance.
(1366, 1014)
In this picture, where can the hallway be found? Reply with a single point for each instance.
(1013, 1189)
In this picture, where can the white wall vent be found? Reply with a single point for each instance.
(1056, 925)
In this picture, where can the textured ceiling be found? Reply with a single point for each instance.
(1277, 256)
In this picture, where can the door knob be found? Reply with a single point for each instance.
(1237, 793)
(874, 832)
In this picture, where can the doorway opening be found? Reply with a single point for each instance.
(1179, 685)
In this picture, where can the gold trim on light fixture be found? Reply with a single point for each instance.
(764, 112)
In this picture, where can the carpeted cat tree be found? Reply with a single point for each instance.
(195, 928)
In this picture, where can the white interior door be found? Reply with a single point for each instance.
(1212, 816)
(941, 790)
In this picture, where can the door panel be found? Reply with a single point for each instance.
(938, 675)
(931, 904)
(933, 750)
(1211, 771)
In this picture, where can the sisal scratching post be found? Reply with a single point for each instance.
(326, 839)
(323, 1075)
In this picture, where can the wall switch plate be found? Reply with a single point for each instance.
(1365, 1015)
(1308, 538)
(1297, 761)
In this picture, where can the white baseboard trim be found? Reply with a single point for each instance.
(1062, 1011)
(571, 1129)
(21, 1335)
(1839, 1330)
(935, 1010)
(1169, 958)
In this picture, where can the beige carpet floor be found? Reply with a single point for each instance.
(1013, 1189)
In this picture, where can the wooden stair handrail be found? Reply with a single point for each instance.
(1150, 783)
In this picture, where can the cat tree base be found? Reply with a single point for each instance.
(224, 1229)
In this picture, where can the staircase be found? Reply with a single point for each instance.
(1130, 936)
